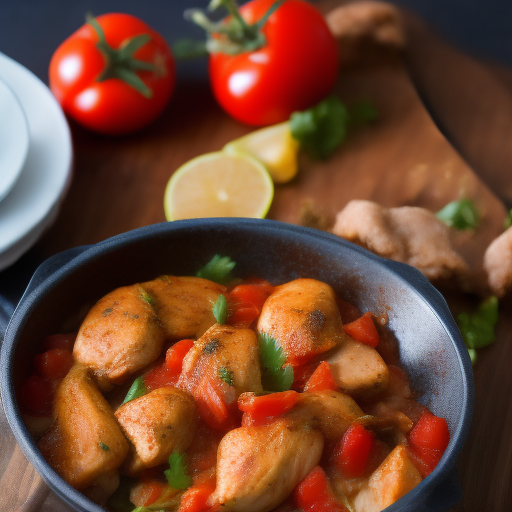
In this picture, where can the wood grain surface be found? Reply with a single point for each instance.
(402, 159)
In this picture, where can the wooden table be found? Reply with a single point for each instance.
(118, 185)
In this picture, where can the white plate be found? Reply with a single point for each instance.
(32, 204)
(13, 139)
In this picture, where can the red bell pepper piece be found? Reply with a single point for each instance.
(348, 312)
(314, 495)
(363, 330)
(159, 377)
(154, 490)
(53, 364)
(212, 405)
(353, 450)
(322, 379)
(428, 440)
(261, 410)
(195, 498)
(246, 302)
(175, 355)
(62, 341)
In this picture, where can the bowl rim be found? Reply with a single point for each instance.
(66, 262)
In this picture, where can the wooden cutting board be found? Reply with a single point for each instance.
(402, 159)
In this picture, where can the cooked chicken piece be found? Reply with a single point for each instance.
(395, 477)
(498, 264)
(302, 316)
(85, 441)
(408, 234)
(258, 467)
(329, 411)
(358, 369)
(184, 304)
(225, 349)
(120, 335)
(158, 423)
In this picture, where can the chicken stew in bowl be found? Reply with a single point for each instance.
(208, 393)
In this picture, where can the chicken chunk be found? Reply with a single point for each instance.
(184, 304)
(231, 350)
(120, 335)
(358, 369)
(408, 234)
(258, 467)
(396, 476)
(329, 411)
(302, 316)
(498, 264)
(158, 423)
(85, 441)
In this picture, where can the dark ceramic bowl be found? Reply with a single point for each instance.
(431, 349)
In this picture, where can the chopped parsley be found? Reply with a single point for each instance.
(220, 309)
(176, 475)
(104, 447)
(137, 389)
(146, 297)
(226, 375)
(460, 215)
(274, 376)
(218, 269)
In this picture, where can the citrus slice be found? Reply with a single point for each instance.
(219, 185)
(274, 147)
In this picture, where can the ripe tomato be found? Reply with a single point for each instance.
(294, 70)
(81, 80)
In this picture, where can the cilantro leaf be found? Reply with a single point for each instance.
(272, 357)
(220, 309)
(508, 220)
(477, 328)
(176, 475)
(460, 215)
(226, 375)
(218, 269)
(104, 446)
(137, 389)
(322, 128)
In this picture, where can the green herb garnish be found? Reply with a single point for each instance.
(226, 375)
(220, 309)
(460, 215)
(104, 447)
(272, 358)
(477, 328)
(322, 128)
(218, 269)
(508, 220)
(176, 475)
(137, 389)
(146, 297)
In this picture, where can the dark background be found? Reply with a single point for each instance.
(30, 30)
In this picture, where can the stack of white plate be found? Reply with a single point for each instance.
(35, 159)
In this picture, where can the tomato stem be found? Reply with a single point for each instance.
(121, 63)
(232, 35)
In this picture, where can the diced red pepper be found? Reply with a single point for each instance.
(62, 341)
(195, 498)
(363, 330)
(322, 379)
(246, 302)
(154, 490)
(301, 374)
(53, 364)
(351, 454)
(348, 312)
(159, 377)
(211, 404)
(37, 395)
(314, 495)
(428, 440)
(261, 410)
(175, 355)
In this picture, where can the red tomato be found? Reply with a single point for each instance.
(293, 71)
(363, 330)
(37, 395)
(353, 450)
(159, 377)
(175, 355)
(246, 302)
(62, 341)
(321, 379)
(53, 364)
(195, 499)
(212, 406)
(111, 106)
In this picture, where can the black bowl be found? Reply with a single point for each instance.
(432, 351)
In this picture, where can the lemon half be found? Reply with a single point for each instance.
(219, 184)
